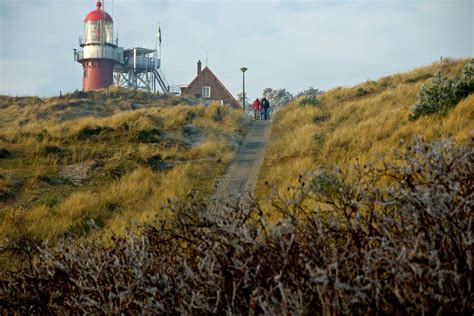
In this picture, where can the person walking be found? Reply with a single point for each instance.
(265, 104)
(256, 106)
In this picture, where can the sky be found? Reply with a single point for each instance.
(287, 44)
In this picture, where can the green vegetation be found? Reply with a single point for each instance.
(371, 247)
(346, 127)
(49, 201)
(359, 209)
(310, 100)
(103, 158)
(442, 94)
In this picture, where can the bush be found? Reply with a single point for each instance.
(55, 150)
(309, 92)
(41, 135)
(10, 186)
(153, 135)
(310, 96)
(82, 228)
(5, 153)
(48, 201)
(311, 100)
(361, 92)
(442, 94)
(119, 169)
(321, 118)
(54, 180)
(92, 132)
(319, 138)
(156, 163)
(395, 240)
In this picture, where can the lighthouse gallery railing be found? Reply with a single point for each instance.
(79, 55)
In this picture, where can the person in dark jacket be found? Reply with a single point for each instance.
(265, 108)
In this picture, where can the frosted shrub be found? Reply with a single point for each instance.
(396, 239)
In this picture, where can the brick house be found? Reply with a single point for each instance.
(207, 86)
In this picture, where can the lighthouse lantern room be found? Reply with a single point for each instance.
(100, 51)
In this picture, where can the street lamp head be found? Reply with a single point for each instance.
(243, 69)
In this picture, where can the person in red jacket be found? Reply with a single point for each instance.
(256, 108)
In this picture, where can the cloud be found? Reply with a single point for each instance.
(285, 44)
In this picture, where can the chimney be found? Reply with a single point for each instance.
(199, 67)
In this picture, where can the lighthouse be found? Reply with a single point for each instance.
(99, 52)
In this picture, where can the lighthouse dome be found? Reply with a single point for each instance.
(98, 14)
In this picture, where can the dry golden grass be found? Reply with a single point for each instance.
(357, 123)
(122, 189)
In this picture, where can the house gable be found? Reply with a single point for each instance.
(218, 91)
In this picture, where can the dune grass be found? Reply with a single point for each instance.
(357, 124)
(91, 176)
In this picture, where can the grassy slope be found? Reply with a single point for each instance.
(357, 123)
(120, 134)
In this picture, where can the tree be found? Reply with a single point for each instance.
(277, 97)
(240, 98)
(310, 92)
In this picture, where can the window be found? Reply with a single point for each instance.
(206, 92)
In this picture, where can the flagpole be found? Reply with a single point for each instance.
(159, 32)
(158, 42)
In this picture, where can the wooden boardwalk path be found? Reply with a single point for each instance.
(238, 184)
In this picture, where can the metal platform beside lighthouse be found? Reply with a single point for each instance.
(141, 70)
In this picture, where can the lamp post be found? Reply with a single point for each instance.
(243, 69)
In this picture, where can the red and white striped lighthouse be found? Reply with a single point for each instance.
(100, 52)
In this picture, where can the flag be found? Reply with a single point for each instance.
(158, 35)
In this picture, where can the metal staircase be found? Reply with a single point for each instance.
(160, 77)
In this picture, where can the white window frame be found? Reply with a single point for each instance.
(206, 92)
